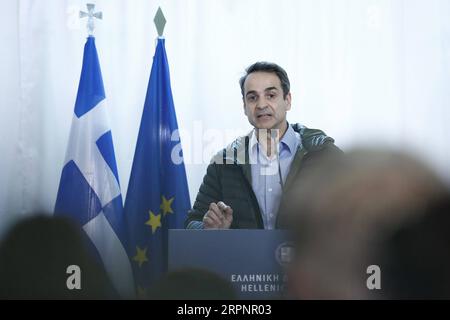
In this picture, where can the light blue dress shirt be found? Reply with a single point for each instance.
(269, 174)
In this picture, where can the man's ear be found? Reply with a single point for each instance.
(288, 101)
(245, 108)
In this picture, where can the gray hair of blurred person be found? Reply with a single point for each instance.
(342, 213)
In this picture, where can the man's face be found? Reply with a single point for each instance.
(264, 104)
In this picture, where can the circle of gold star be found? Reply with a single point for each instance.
(166, 205)
(154, 221)
(141, 256)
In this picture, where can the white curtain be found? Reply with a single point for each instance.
(368, 72)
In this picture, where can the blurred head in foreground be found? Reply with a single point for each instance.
(193, 284)
(371, 208)
(35, 255)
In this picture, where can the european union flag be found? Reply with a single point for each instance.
(158, 196)
(89, 190)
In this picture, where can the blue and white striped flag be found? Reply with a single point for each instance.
(89, 190)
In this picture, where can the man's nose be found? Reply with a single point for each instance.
(262, 103)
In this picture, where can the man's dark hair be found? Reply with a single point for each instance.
(270, 67)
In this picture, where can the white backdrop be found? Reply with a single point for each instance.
(371, 72)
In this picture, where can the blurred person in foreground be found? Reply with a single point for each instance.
(374, 208)
(35, 255)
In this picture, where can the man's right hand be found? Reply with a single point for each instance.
(219, 216)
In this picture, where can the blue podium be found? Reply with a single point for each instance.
(252, 260)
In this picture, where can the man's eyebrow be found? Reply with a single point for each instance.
(265, 90)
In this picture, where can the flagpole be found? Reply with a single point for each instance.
(89, 190)
(157, 197)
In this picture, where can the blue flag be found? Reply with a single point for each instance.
(89, 190)
(158, 196)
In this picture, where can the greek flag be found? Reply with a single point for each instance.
(89, 190)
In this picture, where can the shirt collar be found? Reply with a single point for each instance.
(289, 141)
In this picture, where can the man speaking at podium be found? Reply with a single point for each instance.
(246, 182)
